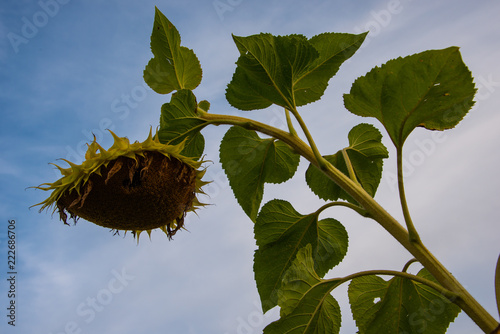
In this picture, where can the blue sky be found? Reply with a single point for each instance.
(73, 68)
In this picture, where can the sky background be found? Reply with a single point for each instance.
(78, 71)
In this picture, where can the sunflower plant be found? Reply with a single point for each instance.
(433, 89)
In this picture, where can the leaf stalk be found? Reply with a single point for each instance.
(348, 163)
(408, 264)
(291, 129)
(321, 162)
(450, 295)
(412, 231)
(351, 206)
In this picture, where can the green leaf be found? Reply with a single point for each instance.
(250, 161)
(280, 232)
(288, 71)
(432, 89)
(333, 49)
(365, 152)
(399, 305)
(305, 300)
(179, 122)
(205, 105)
(173, 67)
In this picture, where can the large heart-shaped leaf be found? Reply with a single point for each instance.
(305, 300)
(365, 153)
(280, 232)
(173, 66)
(288, 71)
(432, 89)
(399, 305)
(250, 161)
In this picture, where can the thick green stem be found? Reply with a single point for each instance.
(465, 301)
(292, 140)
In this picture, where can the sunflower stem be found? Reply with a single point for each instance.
(464, 300)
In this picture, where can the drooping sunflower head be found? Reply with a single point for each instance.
(129, 187)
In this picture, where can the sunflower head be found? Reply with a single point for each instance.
(131, 187)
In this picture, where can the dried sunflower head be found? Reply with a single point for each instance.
(131, 187)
